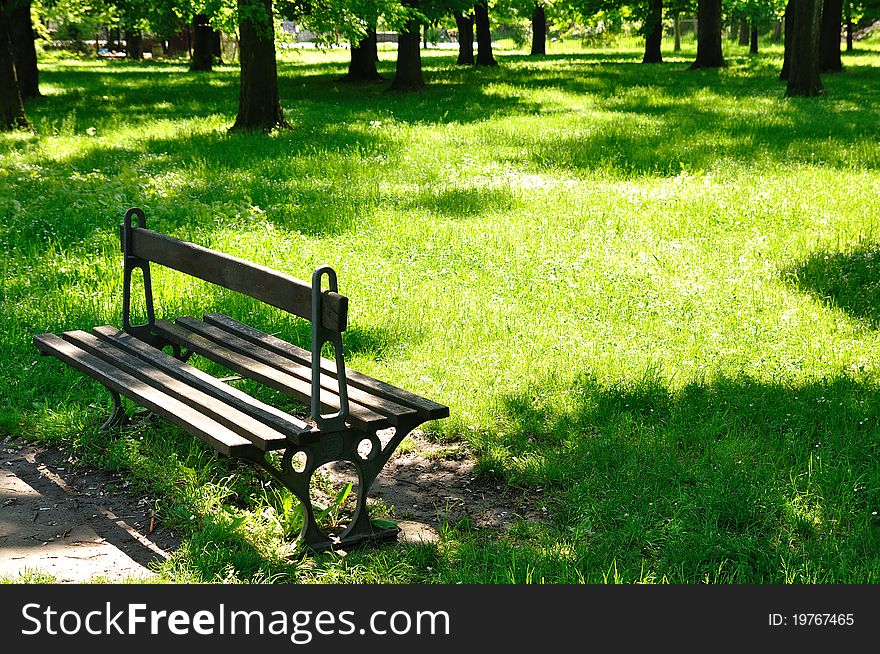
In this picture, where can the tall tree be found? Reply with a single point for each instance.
(259, 107)
(753, 38)
(364, 41)
(134, 44)
(676, 32)
(364, 53)
(484, 34)
(203, 44)
(829, 37)
(408, 72)
(743, 31)
(21, 32)
(12, 114)
(464, 21)
(653, 29)
(539, 29)
(709, 53)
(803, 74)
(675, 9)
(133, 19)
(217, 45)
(648, 12)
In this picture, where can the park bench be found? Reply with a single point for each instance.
(348, 409)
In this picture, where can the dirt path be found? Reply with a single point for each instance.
(77, 524)
(65, 522)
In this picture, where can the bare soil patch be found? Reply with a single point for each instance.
(430, 484)
(68, 521)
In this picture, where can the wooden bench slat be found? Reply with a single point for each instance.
(272, 287)
(380, 405)
(265, 413)
(184, 416)
(265, 374)
(427, 409)
(263, 436)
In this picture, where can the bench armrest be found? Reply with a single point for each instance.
(321, 335)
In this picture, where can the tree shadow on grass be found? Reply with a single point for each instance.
(648, 120)
(312, 181)
(846, 280)
(732, 480)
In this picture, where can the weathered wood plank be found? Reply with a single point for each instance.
(392, 410)
(266, 413)
(427, 409)
(263, 436)
(359, 415)
(269, 286)
(216, 435)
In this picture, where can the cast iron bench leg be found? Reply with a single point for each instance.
(118, 417)
(338, 446)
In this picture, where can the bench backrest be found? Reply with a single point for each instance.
(279, 290)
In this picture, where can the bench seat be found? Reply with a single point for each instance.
(228, 430)
(141, 372)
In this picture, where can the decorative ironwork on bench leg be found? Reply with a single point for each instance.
(362, 528)
(299, 483)
(118, 417)
(332, 447)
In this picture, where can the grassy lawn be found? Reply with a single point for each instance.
(650, 297)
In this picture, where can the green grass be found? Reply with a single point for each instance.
(648, 295)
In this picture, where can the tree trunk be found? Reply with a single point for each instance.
(788, 21)
(12, 114)
(709, 53)
(465, 26)
(776, 34)
(134, 45)
(259, 107)
(676, 31)
(408, 74)
(803, 74)
(484, 34)
(653, 29)
(849, 36)
(362, 66)
(753, 40)
(743, 31)
(425, 36)
(539, 30)
(21, 32)
(217, 45)
(203, 36)
(829, 37)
